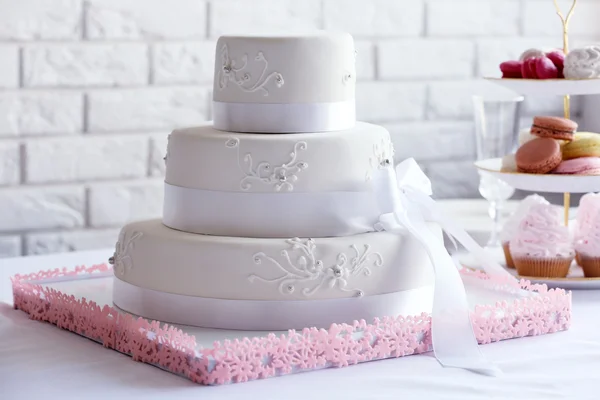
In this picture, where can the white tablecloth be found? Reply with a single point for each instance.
(40, 361)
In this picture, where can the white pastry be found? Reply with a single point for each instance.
(583, 63)
(240, 206)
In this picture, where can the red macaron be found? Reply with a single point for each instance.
(512, 69)
(539, 68)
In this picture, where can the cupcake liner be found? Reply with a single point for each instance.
(543, 267)
(509, 260)
(590, 265)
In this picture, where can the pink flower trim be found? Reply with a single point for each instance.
(241, 360)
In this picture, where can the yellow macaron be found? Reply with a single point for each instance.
(584, 144)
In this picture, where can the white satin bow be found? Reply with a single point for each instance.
(454, 342)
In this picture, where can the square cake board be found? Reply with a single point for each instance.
(80, 300)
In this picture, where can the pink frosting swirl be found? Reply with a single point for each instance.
(541, 234)
(587, 236)
(589, 205)
(512, 224)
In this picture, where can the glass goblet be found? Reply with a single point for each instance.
(496, 135)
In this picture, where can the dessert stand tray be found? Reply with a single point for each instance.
(549, 87)
(574, 280)
(541, 183)
(80, 301)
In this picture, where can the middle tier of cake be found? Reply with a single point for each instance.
(318, 184)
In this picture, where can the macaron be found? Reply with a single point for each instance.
(554, 127)
(532, 53)
(587, 146)
(579, 166)
(539, 68)
(558, 59)
(511, 69)
(538, 156)
(582, 135)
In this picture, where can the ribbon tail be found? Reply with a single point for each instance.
(454, 231)
(482, 255)
(454, 342)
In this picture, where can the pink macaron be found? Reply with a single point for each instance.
(579, 166)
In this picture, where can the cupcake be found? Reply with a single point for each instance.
(512, 224)
(542, 246)
(585, 230)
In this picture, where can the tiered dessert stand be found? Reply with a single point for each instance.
(549, 183)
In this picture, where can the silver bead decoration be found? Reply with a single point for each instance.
(337, 271)
(386, 162)
(227, 68)
(319, 263)
(289, 288)
(360, 293)
(246, 77)
(111, 260)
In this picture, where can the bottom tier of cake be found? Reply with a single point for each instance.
(360, 276)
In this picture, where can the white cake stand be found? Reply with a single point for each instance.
(541, 183)
(566, 184)
(549, 87)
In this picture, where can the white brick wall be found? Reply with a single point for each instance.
(145, 19)
(89, 90)
(85, 158)
(49, 112)
(91, 64)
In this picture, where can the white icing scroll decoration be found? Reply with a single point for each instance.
(306, 269)
(230, 72)
(166, 157)
(347, 78)
(382, 157)
(121, 258)
(281, 176)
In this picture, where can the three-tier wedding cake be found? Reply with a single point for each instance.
(271, 211)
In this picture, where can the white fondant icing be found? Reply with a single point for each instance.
(293, 83)
(339, 161)
(310, 68)
(177, 262)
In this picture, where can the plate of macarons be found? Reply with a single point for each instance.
(548, 72)
(552, 157)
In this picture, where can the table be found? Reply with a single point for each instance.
(41, 361)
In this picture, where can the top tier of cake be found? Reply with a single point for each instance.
(294, 83)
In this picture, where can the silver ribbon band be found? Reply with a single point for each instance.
(254, 315)
(284, 118)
